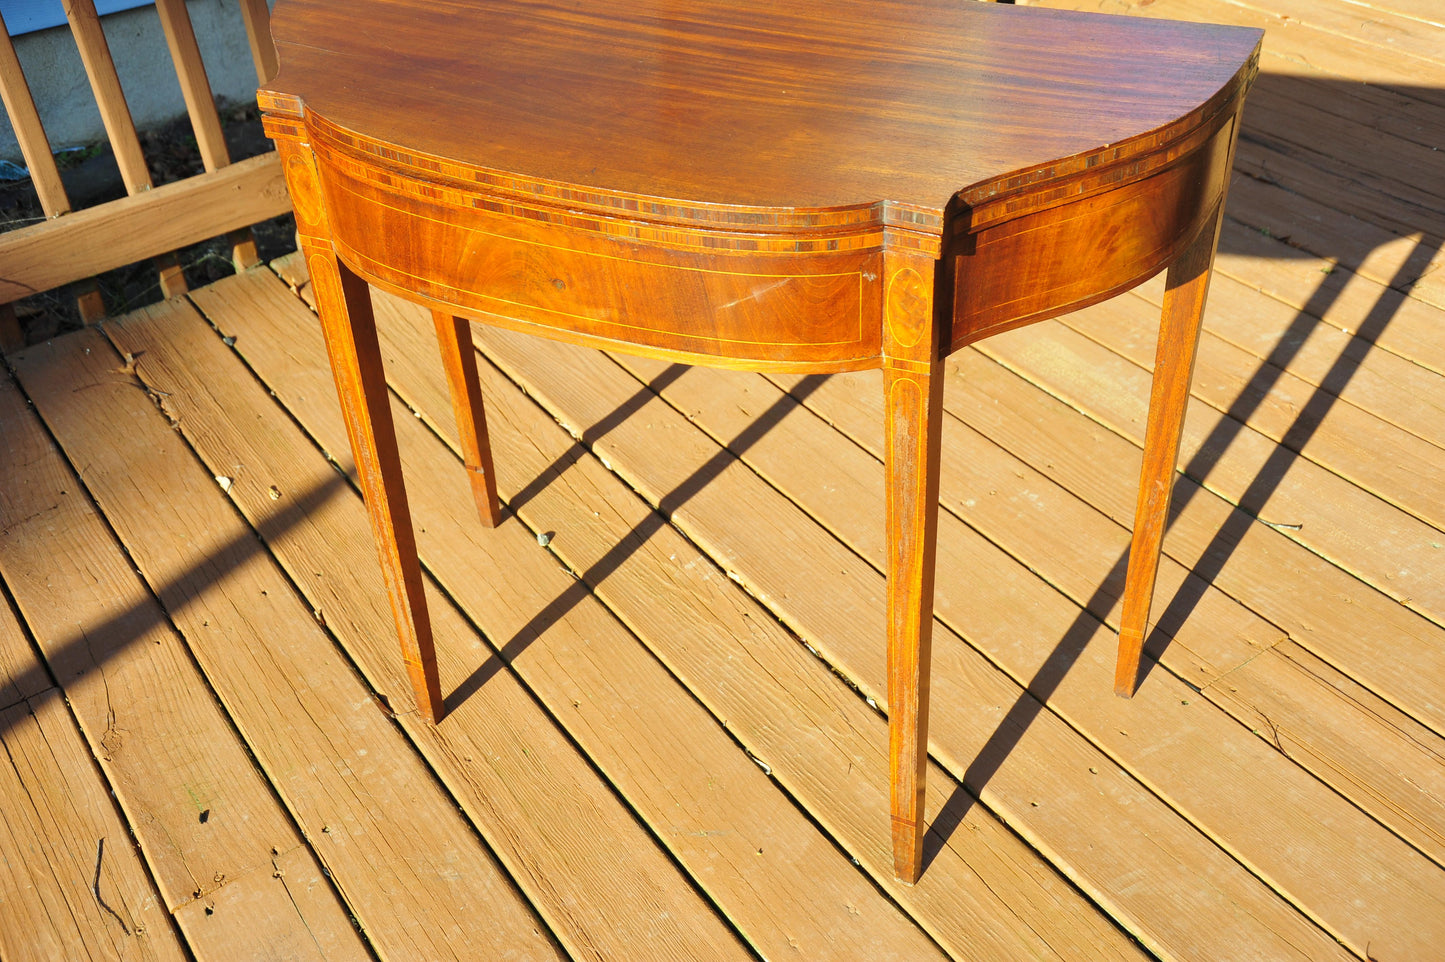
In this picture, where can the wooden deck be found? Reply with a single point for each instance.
(666, 666)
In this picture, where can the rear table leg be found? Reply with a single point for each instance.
(1187, 285)
(454, 336)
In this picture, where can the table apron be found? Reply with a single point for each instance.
(1054, 261)
(590, 282)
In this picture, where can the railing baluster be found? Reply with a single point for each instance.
(115, 114)
(25, 120)
(195, 87)
(226, 197)
(258, 30)
(201, 106)
(44, 176)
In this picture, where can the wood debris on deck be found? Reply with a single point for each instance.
(663, 666)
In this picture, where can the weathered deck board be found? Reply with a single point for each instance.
(22, 675)
(1399, 465)
(203, 816)
(1354, 192)
(1338, 363)
(1317, 288)
(809, 465)
(1356, 531)
(1316, 209)
(1320, 606)
(1407, 263)
(1213, 747)
(1320, 121)
(1378, 25)
(567, 827)
(405, 861)
(597, 393)
(71, 883)
(1305, 47)
(1311, 149)
(1426, 11)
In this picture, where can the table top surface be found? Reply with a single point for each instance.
(774, 104)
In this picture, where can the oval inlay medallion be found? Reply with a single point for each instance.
(908, 307)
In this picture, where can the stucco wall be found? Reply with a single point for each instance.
(62, 93)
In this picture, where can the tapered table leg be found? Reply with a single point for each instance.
(454, 336)
(1187, 285)
(913, 412)
(344, 305)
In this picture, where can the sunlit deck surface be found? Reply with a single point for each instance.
(665, 668)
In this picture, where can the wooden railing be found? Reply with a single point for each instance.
(150, 222)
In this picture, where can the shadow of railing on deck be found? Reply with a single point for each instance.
(97, 643)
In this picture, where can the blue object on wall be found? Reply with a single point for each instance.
(24, 16)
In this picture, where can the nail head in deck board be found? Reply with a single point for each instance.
(116, 656)
(1321, 607)
(706, 801)
(60, 841)
(291, 694)
(1356, 531)
(592, 871)
(840, 616)
(250, 914)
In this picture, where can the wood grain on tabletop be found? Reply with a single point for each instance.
(790, 104)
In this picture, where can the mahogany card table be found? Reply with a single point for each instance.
(777, 185)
